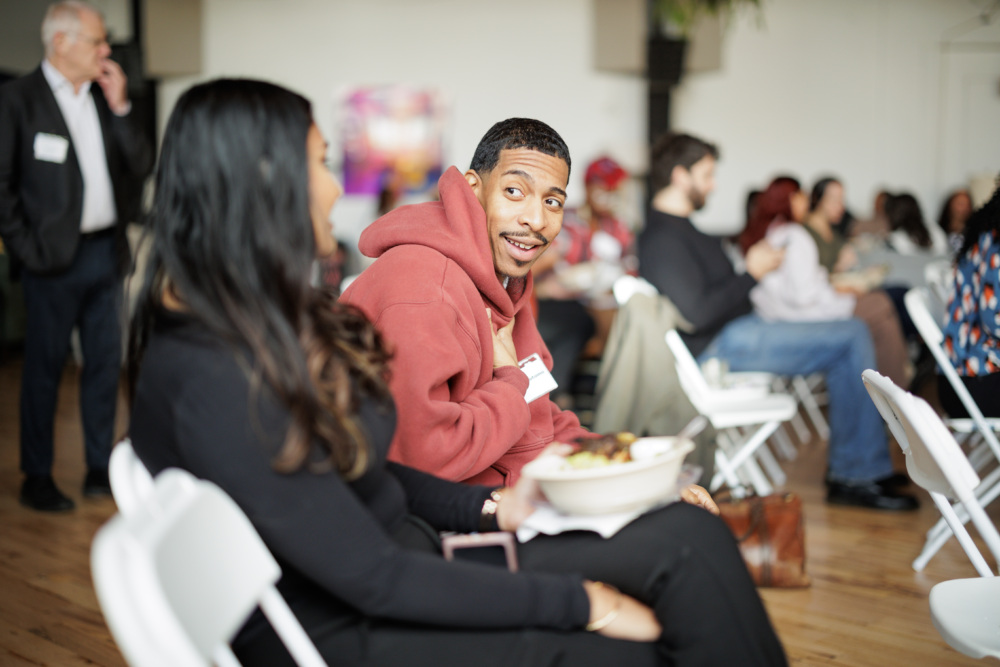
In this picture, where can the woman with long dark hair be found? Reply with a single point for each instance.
(972, 328)
(800, 289)
(910, 233)
(245, 375)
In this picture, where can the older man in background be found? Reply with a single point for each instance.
(72, 164)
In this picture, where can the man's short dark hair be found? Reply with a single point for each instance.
(515, 133)
(672, 150)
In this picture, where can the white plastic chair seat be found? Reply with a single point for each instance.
(744, 420)
(131, 483)
(179, 575)
(727, 412)
(966, 613)
(919, 306)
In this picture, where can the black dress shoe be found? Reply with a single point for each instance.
(96, 484)
(871, 495)
(40, 493)
(896, 480)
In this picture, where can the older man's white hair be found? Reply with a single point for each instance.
(64, 17)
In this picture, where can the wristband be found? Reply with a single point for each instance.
(488, 517)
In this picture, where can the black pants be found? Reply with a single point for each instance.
(87, 295)
(565, 326)
(680, 560)
(985, 391)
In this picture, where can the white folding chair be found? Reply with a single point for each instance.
(939, 275)
(744, 420)
(131, 483)
(919, 307)
(178, 576)
(966, 612)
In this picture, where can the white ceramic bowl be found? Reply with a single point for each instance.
(648, 480)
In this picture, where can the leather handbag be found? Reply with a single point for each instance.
(771, 537)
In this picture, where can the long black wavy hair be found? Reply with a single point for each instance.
(981, 220)
(233, 241)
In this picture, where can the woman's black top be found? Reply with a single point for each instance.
(194, 409)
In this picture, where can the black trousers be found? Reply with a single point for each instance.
(985, 391)
(680, 560)
(565, 326)
(87, 295)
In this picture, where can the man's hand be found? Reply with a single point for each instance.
(697, 495)
(114, 84)
(762, 258)
(504, 353)
(518, 502)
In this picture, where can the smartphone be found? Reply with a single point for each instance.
(496, 548)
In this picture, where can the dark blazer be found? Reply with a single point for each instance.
(40, 201)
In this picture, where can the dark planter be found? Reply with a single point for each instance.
(664, 69)
(665, 59)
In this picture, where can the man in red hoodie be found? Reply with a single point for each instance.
(450, 292)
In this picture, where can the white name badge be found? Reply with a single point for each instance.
(51, 147)
(540, 380)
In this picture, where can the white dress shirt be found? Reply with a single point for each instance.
(80, 114)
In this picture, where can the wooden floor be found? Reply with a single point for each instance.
(865, 607)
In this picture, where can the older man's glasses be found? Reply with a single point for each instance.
(93, 41)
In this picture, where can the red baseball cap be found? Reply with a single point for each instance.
(605, 172)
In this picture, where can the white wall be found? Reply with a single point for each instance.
(492, 60)
(856, 88)
(850, 87)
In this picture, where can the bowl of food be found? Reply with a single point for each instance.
(616, 473)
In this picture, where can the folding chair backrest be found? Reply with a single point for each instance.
(688, 370)
(628, 286)
(936, 462)
(131, 483)
(181, 573)
(919, 307)
(939, 275)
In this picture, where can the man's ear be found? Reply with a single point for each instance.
(474, 181)
(679, 175)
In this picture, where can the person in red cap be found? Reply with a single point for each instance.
(573, 279)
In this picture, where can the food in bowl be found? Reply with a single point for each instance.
(649, 479)
(602, 451)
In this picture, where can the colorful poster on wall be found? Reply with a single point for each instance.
(392, 138)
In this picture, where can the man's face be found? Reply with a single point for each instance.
(83, 52)
(523, 197)
(701, 182)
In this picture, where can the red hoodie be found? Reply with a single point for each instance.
(427, 294)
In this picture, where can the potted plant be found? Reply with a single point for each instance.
(671, 23)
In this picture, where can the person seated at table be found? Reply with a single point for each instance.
(691, 269)
(826, 204)
(573, 278)
(955, 211)
(243, 373)
(799, 290)
(972, 327)
(910, 233)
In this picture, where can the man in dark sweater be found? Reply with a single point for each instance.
(692, 270)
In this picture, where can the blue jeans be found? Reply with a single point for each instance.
(841, 350)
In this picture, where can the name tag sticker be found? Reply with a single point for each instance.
(51, 147)
(540, 380)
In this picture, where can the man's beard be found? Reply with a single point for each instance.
(696, 197)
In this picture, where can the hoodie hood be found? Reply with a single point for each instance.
(456, 228)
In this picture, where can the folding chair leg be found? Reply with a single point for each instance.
(808, 401)
(802, 432)
(941, 532)
(783, 443)
(771, 467)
